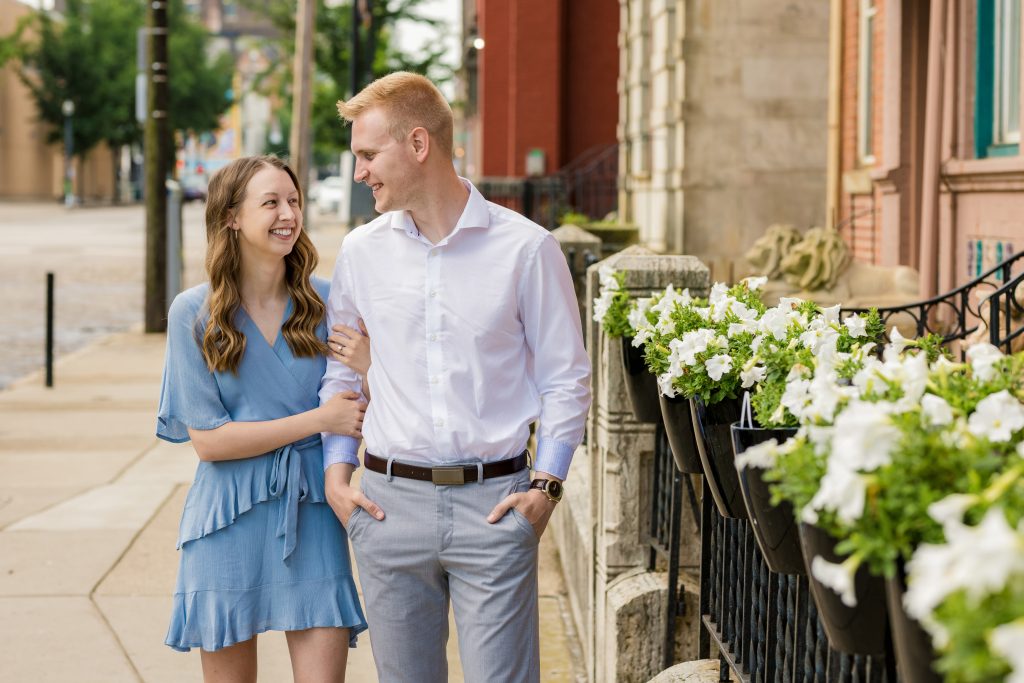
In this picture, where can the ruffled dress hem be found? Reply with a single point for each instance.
(215, 619)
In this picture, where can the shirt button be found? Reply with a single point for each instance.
(433, 293)
(439, 422)
(433, 380)
(433, 337)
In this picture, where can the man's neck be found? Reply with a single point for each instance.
(442, 207)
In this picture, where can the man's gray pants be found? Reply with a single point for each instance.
(433, 545)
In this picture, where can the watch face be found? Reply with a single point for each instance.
(555, 489)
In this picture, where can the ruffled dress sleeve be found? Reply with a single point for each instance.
(189, 395)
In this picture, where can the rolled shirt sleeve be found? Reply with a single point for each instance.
(561, 367)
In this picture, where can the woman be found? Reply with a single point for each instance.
(260, 548)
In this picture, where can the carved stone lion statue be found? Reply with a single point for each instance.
(817, 266)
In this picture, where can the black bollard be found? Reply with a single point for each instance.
(49, 329)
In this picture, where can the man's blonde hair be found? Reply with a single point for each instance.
(410, 101)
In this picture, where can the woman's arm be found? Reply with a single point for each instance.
(342, 414)
(352, 347)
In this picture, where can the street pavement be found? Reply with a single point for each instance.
(90, 499)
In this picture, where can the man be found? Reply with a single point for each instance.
(475, 335)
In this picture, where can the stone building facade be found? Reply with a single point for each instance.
(722, 122)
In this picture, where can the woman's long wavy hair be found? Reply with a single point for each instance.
(222, 343)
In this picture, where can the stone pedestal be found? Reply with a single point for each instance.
(602, 526)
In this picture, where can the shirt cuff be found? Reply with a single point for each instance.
(553, 457)
(338, 448)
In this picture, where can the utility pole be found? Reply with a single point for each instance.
(157, 152)
(300, 141)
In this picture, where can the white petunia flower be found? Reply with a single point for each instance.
(665, 385)
(979, 560)
(755, 283)
(982, 359)
(762, 455)
(775, 322)
(718, 366)
(1007, 641)
(935, 410)
(831, 314)
(897, 342)
(719, 291)
(949, 512)
(752, 375)
(838, 577)
(857, 326)
(602, 304)
(841, 490)
(997, 417)
(638, 315)
(606, 275)
(865, 436)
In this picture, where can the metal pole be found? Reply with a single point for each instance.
(300, 140)
(158, 154)
(49, 329)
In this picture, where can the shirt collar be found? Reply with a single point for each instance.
(475, 215)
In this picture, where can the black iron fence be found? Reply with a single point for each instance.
(588, 185)
(764, 625)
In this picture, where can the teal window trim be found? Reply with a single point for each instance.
(985, 86)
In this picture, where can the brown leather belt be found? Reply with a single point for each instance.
(446, 475)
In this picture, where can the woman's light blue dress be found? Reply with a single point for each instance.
(260, 548)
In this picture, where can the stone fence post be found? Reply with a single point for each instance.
(618, 605)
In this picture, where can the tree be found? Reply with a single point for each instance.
(87, 55)
(333, 50)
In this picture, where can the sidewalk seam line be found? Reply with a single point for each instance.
(121, 556)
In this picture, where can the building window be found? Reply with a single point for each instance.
(997, 109)
(865, 83)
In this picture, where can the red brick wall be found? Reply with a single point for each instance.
(591, 90)
(547, 80)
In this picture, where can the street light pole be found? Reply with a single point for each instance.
(68, 109)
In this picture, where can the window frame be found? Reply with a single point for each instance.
(865, 82)
(996, 130)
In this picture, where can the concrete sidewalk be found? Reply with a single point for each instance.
(89, 508)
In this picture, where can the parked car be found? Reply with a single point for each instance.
(328, 194)
(193, 187)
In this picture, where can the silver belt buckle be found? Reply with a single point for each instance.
(448, 476)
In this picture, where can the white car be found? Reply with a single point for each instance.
(328, 194)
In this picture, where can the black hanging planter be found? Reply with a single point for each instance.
(774, 526)
(641, 384)
(678, 420)
(858, 630)
(915, 656)
(712, 424)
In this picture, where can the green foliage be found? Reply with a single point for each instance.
(89, 57)
(611, 309)
(333, 57)
(573, 218)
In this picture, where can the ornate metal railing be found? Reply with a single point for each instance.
(956, 314)
(1006, 313)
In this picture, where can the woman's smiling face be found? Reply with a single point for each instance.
(269, 218)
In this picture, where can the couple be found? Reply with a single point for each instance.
(475, 336)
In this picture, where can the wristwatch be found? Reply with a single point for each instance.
(552, 488)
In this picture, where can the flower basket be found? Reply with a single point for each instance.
(858, 630)
(774, 526)
(912, 646)
(712, 425)
(641, 385)
(678, 420)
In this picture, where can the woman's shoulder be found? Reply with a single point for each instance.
(189, 303)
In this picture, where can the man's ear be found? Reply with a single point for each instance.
(420, 143)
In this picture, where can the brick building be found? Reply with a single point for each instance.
(930, 171)
(539, 81)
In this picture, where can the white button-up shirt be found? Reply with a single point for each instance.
(472, 340)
